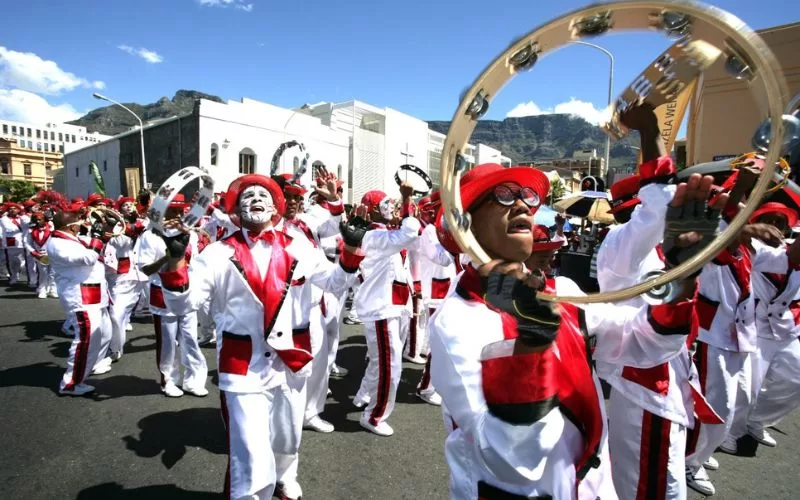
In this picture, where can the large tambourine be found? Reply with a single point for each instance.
(112, 220)
(174, 185)
(276, 159)
(419, 180)
(746, 57)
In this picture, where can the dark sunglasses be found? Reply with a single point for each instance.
(506, 196)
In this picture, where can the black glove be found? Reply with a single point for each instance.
(537, 322)
(98, 230)
(176, 245)
(692, 216)
(353, 231)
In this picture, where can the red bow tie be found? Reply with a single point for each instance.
(266, 237)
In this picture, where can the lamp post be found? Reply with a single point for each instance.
(610, 89)
(141, 131)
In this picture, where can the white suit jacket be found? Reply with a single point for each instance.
(80, 274)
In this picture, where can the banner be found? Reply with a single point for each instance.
(670, 116)
(99, 186)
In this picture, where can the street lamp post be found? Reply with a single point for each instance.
(141, 131)
(610, 89)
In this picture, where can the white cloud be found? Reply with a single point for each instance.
(150, 56)
(237, 4)
(23, 106)
(585, 110)
(27, 71)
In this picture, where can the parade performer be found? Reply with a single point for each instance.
(81, 285)
(515, 374)
(173, 329)
(381, 301)
(14, 229)
(246, 278)
(35, 242)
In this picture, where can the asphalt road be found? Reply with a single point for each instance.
(128, 441)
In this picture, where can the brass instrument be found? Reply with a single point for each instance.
(704, 34)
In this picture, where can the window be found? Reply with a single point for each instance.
(73, 139)
(27, 169)
(30, 144)
(38, 146)
(61, 149)
(52, 148)
(5, 128)
(52, 136)
(105, 166)
(247, 161)
(4, 167)
(214, 151)
(76, 172)
(60, 137)
(295, 164)
(13, 129)
(29, 132)
(314, 167)
(39, 134)
(339, 172)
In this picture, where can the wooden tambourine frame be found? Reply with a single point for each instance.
(747, 58)
(171, 187)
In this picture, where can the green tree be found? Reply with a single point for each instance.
(557, 191)
(15, 190)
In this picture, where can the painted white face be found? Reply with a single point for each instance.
(256, 205)
(386, 207)
(126, 208)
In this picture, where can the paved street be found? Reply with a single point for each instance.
(129, 441)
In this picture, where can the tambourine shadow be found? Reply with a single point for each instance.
(119, 492)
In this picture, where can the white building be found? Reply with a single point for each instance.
(50, 137)
(361, 144)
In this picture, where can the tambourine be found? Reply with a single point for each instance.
(662, 81)
(746, 57)
(416, 177)
(107, 216)
(276, 158)
(171, 187)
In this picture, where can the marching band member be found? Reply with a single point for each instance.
(173, 328)
(776, 367)
(14, 229)
(81, 285)
(247, 277)
(35, 242)
(383, 299)
(515, 374)
(29, 207)
(127, 280)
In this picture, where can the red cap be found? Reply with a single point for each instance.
(774, 207)
(624, 194)
(245, 181)
(94, 199)
(373, 198)
(542, 241)
(483, 178)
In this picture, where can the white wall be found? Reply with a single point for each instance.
(486, 154)
(82, 184)
(260, 127)
(402, 129)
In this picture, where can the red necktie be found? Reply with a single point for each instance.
(266, 236)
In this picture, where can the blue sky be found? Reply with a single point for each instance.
(414, 56)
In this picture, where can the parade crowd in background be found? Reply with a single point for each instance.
(268, 274)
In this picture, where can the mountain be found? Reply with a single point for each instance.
(112, 120)
(532, 138)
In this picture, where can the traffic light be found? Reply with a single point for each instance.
(592, 183)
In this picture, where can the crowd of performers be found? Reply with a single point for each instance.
(266, 274)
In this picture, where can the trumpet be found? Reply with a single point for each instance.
(704, 34)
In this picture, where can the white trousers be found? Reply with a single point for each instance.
(45, 277)
(264, 431)
(382, 376)
(333, 321)
(125, 294)
(648, 450)
(143, 306)
(207, 329)
(414, 331)
(776, 382)
(317, 385)
(4, 271)
(92, 336)
(179, 331)
(15, 263)
(30, 266)
(725, 380)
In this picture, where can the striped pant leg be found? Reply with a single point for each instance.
(86, 346)
(382, 376)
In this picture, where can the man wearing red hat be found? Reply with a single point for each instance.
(261, 361)
(526, 410)
(382, 301)
(437, 270)
(172, 327)
(14, 229)
(776, 368)
(96, 200)
(30, 206)
(35, 241)
(81, 285)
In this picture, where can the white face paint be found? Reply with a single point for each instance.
(256, 205)
(386, 207)
(126, 208)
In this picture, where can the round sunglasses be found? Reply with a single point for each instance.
(507, 196)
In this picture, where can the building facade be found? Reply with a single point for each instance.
(361, 144)
(49, 137)
(724, 114)
(25, 164)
